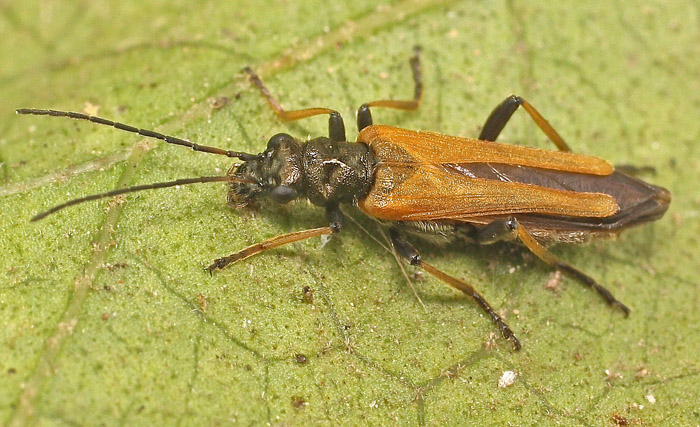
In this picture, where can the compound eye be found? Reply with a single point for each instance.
(276, 140)
(283, 194)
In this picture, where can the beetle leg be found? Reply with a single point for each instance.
(634, 170)
(407, 251)
(335, 219)
(510, 228)
(271, 243)
(336, 126)
(364, 115)
(500, 115)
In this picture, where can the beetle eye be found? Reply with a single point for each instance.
(283, 194)
(276, 140)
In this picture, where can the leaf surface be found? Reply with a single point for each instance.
(109, 317)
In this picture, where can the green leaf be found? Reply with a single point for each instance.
(109, 317)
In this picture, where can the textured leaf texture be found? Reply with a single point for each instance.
(108, 316)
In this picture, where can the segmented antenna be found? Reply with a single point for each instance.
(143, 132)
(167, 184)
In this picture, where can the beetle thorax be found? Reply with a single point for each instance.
(336, 172)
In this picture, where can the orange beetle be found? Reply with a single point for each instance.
(471, 189)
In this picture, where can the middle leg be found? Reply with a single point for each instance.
(407, 251)
(364, 115)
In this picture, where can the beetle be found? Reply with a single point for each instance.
(417, 182)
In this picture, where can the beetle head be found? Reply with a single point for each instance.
(276, 172)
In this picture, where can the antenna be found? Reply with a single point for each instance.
(135, 188)
(143, 132)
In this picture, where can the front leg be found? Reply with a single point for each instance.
(335, 220)
(265, 245)
(336, 126)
